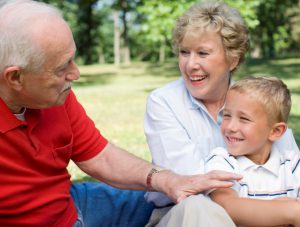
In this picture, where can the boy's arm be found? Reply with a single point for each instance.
(254, 212)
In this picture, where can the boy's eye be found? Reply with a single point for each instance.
(245, 119)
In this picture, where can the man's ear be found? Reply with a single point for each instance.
(277, 131)
(12, 76)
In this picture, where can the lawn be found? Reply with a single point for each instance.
(115, 97)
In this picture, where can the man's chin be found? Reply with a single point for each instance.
(62, 98)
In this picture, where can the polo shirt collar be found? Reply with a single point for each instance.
(8, 120)
(272, 165)
(196, 104)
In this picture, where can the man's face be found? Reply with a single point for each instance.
(51, 85)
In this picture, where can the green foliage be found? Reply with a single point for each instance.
(247, 9)
(273, 34)
(274, 26)
(159, 17)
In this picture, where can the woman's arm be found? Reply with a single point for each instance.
(254, 212)
(173, 133)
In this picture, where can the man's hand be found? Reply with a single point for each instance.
(179, 187)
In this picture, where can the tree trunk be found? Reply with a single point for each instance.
(162, 53)
(125, 33)
(101, 59)
(127, 59)
(116, 38)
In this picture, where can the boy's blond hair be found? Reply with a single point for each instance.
(271, 92)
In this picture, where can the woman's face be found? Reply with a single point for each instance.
(204, 66)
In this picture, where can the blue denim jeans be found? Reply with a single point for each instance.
(100, 205)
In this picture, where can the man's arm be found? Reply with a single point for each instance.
(121, 169)
(254, 212)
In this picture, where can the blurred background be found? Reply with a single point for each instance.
(124, 52)
(121, 31)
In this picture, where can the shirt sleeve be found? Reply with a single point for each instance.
(287, 142)
(294, 157)
(169, 143)
(168, 139)
(219, 159)
(87, 140)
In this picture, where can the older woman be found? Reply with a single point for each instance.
(182, 121)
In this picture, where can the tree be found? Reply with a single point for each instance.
(143, 28)
(116, 38)
(273, 34)
(125, 9)
(88, 30)
(160, 17)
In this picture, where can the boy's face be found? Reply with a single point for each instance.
(245, 127)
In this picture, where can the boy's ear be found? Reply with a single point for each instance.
(277, 131)
(12, 76)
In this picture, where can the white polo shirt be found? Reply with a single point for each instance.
(278, 177)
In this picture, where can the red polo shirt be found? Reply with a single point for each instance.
(34, 181)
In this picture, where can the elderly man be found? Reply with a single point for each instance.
(43, 127)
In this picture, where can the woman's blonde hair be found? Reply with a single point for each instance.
(218, 17)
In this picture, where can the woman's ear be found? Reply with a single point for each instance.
(277, 131)
(233, 63)
(13, 77)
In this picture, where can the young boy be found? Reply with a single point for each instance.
(255, 116)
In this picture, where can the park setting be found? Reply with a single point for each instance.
(133, 113)
(124, 51)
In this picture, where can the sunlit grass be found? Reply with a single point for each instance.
(115, 97)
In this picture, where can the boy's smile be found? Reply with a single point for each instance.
(245, 127)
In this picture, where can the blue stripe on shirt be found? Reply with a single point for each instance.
(296, 166)
(223, 158)
(284, 192)
(269, 194)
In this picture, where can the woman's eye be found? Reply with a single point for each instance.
(184, 52)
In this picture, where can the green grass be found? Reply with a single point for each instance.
(115, 98)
